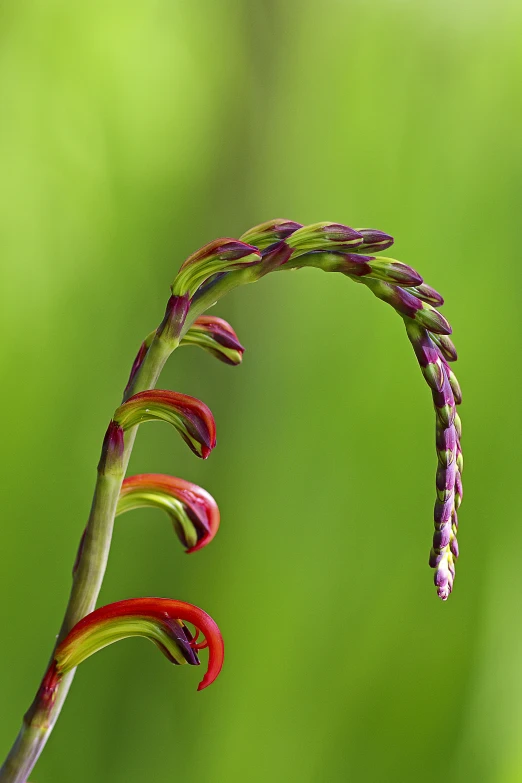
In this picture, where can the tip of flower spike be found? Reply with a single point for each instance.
(444, 574)
(444, 592)
(159, 619)
(191, 417)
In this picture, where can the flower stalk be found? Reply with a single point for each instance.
(204, 278)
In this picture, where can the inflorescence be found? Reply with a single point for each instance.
(205, 277)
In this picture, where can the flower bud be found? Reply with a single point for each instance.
(446, 347)
(138, 361)
(323, 236)
(215, 336)
(162, 620)
(406, 304)
(392, 271)
(444, 574)
(174, 318)
(266, 234)
(111, 460)
(460, 459)
(221, 255)
(190, 416)
(455, 387)
(274, 257)
(427, 294)
(374, 240)
(458, 491)
(193, 512)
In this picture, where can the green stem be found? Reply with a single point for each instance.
(40, 719)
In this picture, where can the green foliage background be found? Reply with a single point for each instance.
(132, 133)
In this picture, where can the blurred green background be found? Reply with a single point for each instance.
(134, 132)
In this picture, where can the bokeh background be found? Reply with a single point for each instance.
(132, 133)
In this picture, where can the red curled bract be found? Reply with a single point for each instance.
(199, 503)
(78, 644)
(192, 418)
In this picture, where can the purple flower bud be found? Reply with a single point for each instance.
(458, 425)
(441, 575)
(268, 233)
(458, 489)
(111, 460)
(217, 337)
(138, 361)
(460, 459)
(324, 236)
(455, 387)
(435, 558)
(395, 272)
(189, 416)
(446, 438)
(446, 347)
(443, 511)
(273, 258)
(433, 320)
(374, 240)
(427, 294)
(170, 328)
(387, 269)
(434, 376)
(221, 255)
(455, 521)
(442, 537)
(445, 481)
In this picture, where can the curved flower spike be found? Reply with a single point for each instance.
(323, 236)
(221, 255)
(216, 336)
(162, 620)
(442, 383)
(190, 416)
(268, 233)
(194, 513)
